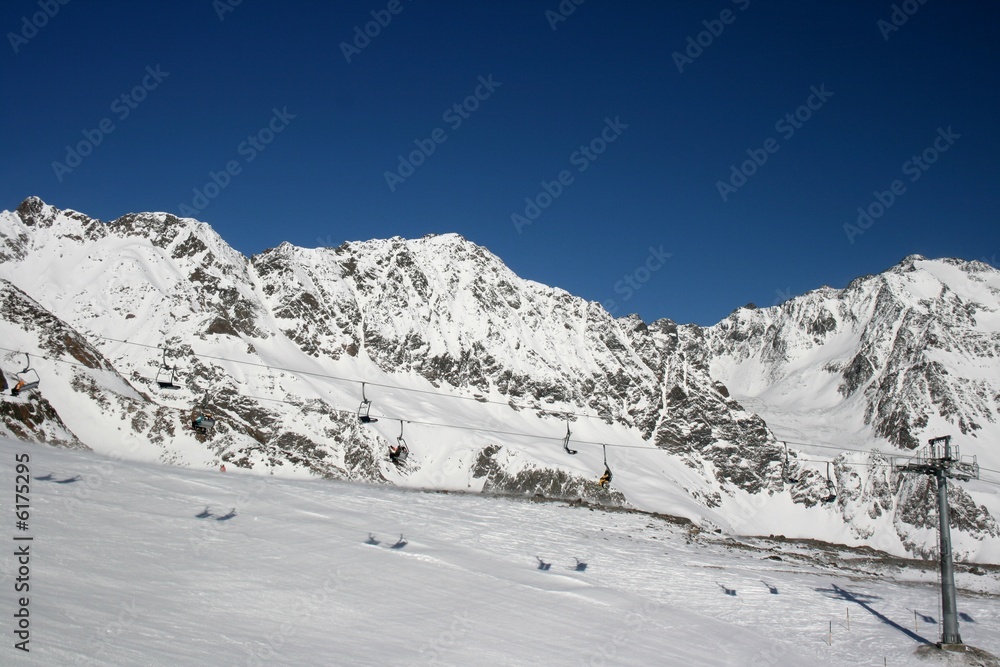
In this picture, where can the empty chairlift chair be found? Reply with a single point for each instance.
(785, 477)
(364, 410)
(831, 488)
(166, 375)
(566, 440)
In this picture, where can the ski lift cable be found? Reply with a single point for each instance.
(53, 359)
(855, 465)
(356, 381)
(417, 422)
(345, 411)
(455, 426)
(480, 429)
(812, 444)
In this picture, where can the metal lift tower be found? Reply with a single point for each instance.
(941, 462)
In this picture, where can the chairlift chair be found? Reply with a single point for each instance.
(566, 440)
(784, 469)
(605, 479)
(400, 452)
(27, 379)
(166, 375)
(831, 489)
(365, 408)
(203, 423)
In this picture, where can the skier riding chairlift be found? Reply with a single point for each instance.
(26, 379)
(203, 422)
(400, 452)
(606, 477)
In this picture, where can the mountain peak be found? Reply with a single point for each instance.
(33, 210)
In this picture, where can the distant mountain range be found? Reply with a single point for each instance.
(775, 420)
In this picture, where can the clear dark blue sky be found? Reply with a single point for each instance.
(654, 190)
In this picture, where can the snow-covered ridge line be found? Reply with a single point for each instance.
(880, 365)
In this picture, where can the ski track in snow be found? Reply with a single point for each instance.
(139, 564)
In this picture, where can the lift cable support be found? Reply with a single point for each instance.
(941, 461)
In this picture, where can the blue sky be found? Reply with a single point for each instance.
(649, 217)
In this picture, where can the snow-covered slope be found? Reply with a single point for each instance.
(881, 365)
(138, 564)
(483, 372)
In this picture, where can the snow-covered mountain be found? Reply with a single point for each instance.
(483, 373)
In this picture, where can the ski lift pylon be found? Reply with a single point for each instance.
(364, 410)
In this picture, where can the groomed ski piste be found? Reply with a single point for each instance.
(136, 563)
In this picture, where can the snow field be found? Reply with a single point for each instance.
(134, 563)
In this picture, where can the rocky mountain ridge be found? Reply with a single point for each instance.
(483, 372)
